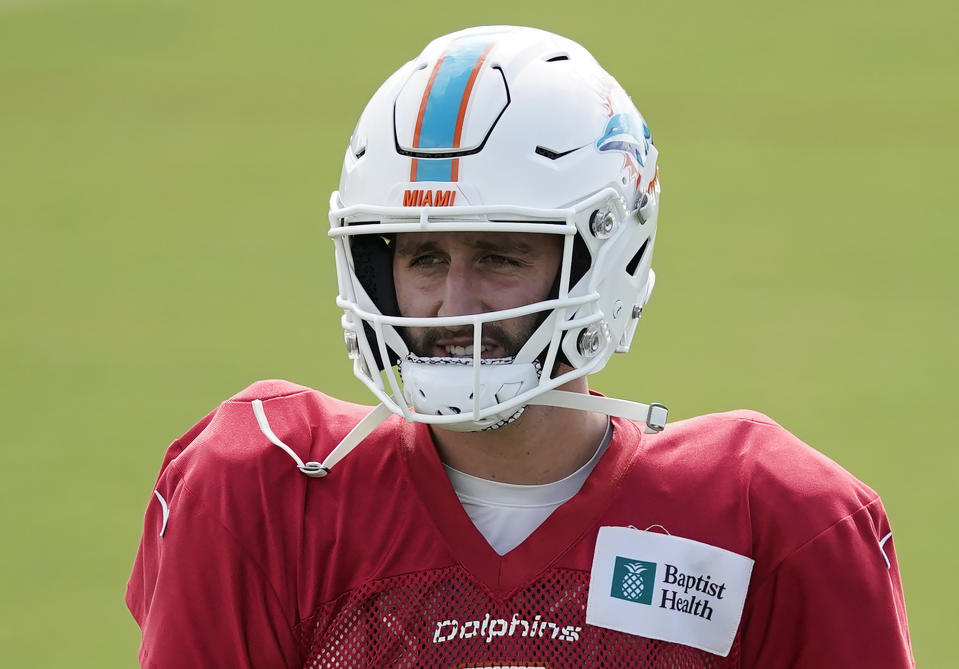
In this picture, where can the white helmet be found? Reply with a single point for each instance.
(499, 129)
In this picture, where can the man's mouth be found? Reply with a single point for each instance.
(465, 350)
(462, 351)
(496, 342)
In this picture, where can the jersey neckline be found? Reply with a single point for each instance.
(499, 494)
(505, 574)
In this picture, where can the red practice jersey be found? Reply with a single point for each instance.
(246, 562)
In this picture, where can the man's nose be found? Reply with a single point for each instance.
(461, 292)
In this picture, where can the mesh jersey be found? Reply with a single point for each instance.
(378, 565)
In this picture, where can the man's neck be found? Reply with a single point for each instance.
(544, 445)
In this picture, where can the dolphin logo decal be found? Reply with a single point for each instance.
(626, 133)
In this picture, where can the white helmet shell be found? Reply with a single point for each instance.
(497, 129)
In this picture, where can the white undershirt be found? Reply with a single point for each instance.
(507, 513)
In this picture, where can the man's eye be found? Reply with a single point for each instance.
(502, 261)
(425, 260)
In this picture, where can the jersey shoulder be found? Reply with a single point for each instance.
(227, 471)
(754, 447)
(233, 442)
(229, 501)
(787, 493)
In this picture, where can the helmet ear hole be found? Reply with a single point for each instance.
(582, 261)
(373, 266)
(371, 337)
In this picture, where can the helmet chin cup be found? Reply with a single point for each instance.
(484, 397)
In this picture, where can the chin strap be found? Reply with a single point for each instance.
(653, 415)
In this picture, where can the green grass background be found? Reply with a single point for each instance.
(165, 167)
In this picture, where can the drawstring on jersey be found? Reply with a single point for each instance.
(370, 422)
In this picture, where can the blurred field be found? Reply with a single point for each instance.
(164, 174)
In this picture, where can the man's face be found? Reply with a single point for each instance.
(466, 273)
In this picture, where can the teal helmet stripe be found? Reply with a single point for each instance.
(446, 98)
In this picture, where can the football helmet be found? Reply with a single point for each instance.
(499, 129)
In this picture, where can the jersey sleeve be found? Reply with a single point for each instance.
(835, 601)
(215, 581)
(200, 599)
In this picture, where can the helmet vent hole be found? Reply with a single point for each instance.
(634, 263)
(360, 153)
(557, 58)
(553, 155)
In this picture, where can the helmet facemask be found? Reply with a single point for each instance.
(571, 337)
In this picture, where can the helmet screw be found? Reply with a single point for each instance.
(601, 223)
(589, 342)
(637, 311)
(352, 345)
(641, 208)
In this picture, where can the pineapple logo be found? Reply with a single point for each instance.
(633, 580)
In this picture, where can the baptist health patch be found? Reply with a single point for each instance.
(668, 588)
